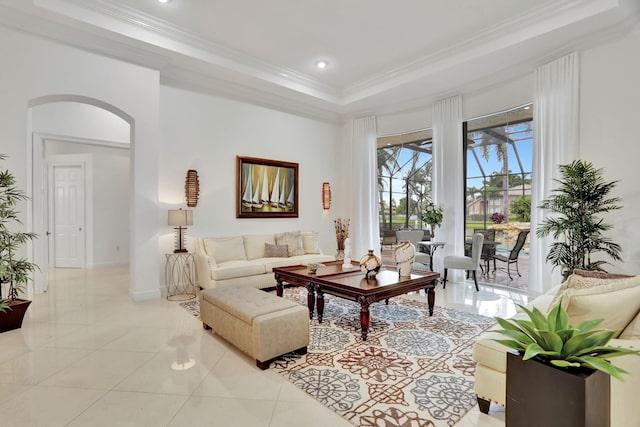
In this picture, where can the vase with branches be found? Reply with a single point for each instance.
(577, 222)
(342, 234)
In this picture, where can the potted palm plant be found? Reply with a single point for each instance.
(560, 374)
(15, 271)
(576, 224)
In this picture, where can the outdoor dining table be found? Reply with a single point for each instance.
(488, 250)
(430, 247)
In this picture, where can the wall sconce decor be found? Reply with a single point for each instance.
(326, 196)
(192, 188)
(179, 219)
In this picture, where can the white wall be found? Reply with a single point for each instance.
(80, 120)
(609, 115)
(509, 94)
(206, 133)
(42, 71)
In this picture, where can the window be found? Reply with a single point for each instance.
(498, 168)
(498, 164)
(404, 179)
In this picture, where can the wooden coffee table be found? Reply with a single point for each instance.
(351, 284)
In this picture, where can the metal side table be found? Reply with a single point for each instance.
(179, 274)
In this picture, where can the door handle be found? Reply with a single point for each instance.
(48, 233)
(80, 229)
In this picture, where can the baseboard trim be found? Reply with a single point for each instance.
(145, 295)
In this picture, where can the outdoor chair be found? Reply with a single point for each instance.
(488, 247)
(387, 238)
(469, 264)
(512, 258)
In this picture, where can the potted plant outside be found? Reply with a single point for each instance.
(577, 225)
(561, 373)
(15, 272)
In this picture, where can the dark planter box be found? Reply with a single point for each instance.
(12, 318)
(542, 395)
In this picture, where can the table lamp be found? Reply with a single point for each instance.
(179, 219)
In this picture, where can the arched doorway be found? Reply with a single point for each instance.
(76, 131)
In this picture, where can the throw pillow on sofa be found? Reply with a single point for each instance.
(617, 301)
(223, 250)
(275, 251)
(583, 279)
(310, 242)
(293, 239)
(600, 274)
(254, 245)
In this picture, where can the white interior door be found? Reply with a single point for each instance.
(67, 198)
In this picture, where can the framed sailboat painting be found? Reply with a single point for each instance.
(266, 188)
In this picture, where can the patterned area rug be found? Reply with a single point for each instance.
(192, 307)
(413, 370)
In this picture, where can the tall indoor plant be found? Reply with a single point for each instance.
(15, 271)
(576, 222)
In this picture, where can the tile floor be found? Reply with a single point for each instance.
(89, 356)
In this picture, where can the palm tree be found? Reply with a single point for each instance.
(416, 175)
(420, 184)
(387, 159)
(500, 148)
(579, 203)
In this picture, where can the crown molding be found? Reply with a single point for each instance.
(185, 60)
(148, 29)
(292, 104)
(524, 27)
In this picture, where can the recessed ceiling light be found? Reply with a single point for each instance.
(321, 63)
(527, 107)
(164, 1)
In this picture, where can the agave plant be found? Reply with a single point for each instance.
(552, 340)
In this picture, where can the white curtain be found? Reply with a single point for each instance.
(365, 229)
(448, 187)
(556, 132)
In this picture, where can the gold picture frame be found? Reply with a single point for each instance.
(266, 188)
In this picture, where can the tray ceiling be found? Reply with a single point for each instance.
(383, 56)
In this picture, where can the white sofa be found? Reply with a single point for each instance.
(249, 259)
(617, 300)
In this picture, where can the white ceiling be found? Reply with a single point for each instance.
(384, 55)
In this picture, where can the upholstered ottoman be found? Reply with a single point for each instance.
(262, 325)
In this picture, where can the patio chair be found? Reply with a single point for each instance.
(469, 264)
(512, 258)
(488, 247)
(387, 238)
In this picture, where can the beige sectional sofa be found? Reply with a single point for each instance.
(584, 296)
(249, 259)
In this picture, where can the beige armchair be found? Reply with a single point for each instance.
(622, 304)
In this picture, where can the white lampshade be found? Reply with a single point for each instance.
(180, 217)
